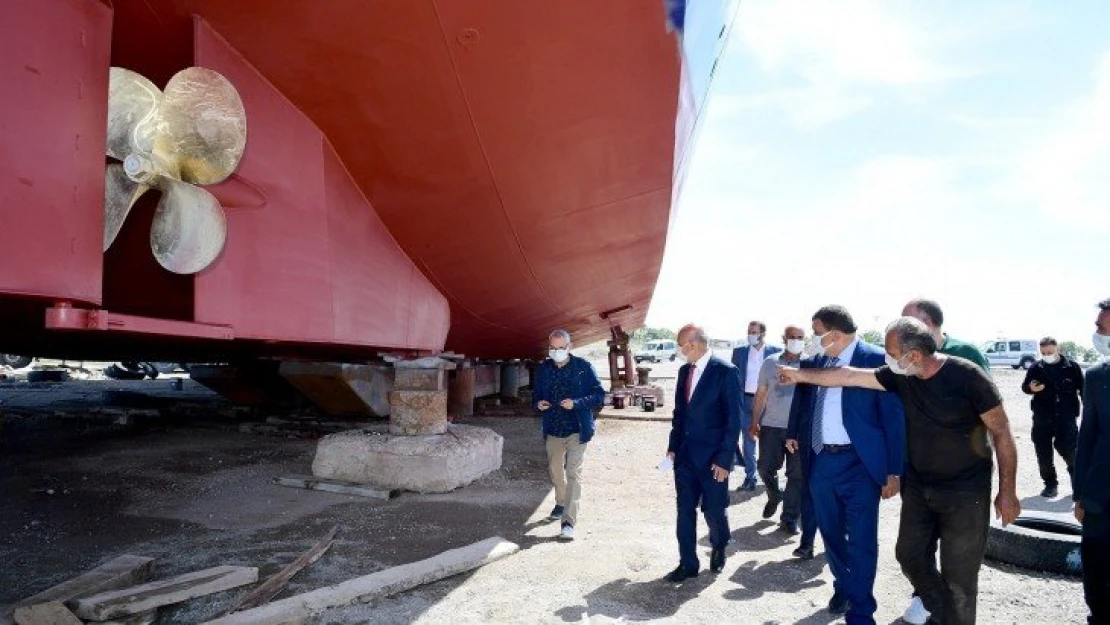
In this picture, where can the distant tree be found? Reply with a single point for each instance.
(643, 335)
(1071, 350)
(874, 337)
(1077, 352)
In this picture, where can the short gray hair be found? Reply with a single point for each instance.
(912, 334)
(560, 333)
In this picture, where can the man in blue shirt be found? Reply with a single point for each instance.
(567, 390)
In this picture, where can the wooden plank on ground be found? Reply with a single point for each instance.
(277, 581)
(144, 618)
(368, 588)
(51, 613)
(131, 601)
(334, 486)
(121, 572)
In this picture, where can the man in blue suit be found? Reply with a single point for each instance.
(704, 433)
(748, 359)
(852, 443)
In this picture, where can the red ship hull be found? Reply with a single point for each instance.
(420, 175)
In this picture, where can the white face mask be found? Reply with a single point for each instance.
(795, 346)
(754, 339)
(558, 355)
(1102, 343)
(896, 366)
(1050, 359)
(815, 347)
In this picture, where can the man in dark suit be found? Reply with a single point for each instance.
(704, 433)
(1091, 478)
(748, 359)
(853, 442)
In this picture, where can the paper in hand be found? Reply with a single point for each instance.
(666, 464)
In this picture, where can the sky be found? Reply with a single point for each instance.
(866, 152)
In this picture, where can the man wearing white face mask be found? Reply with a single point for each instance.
(1055, 382)
(566, 392)
(770, 416)
(748, 359)
(1091, 479)
(949, 402)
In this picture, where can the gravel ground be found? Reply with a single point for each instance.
(195, 498)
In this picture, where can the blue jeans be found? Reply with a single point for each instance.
(747, 457)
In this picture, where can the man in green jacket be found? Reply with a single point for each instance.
(932, 316)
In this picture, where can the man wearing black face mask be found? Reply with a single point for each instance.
(1055, 382)
(951, 405)
(566, 392)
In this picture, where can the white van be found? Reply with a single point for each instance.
(656, 351)
(1018, 353)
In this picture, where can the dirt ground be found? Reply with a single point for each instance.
(78, 490)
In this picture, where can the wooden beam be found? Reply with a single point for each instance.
(52, 613)
(131, 601)
(334, 486)
(277, 581)
(299, 608)
(121, 572)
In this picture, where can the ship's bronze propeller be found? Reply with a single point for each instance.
(192, 134)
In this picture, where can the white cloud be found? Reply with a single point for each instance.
(1065, 172)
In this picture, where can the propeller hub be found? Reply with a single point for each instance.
(138, 168)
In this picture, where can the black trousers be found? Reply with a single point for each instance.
(772, 456)
(1051, 431)
(960, 519)
(1095, 550)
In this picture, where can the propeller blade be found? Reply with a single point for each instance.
(202, 127)
(133, 103)
(189, 228)
(120, 194)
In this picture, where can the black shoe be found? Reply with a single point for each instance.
(1049, 492)
(771, 507)
(556, 513)
(748, 485)
(680, 574)
(804, 553)
(790, 527)
(838, 604)
(717, 560)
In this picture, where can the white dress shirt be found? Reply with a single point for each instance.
(755, 361)
(698, 370)
(832, 422)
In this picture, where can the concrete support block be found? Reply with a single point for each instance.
(417, 413)
(510, 380)
(487, 380)
(423, 464)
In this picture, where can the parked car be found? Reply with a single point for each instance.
(15, 361)
(656, 351)
(1018, 353)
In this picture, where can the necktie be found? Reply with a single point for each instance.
(690, 382)
(816, 439)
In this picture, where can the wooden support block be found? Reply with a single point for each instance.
(299, 608)
(52, 613)
(277, 581)
(121, 572)
(131, 601)
(334, 486)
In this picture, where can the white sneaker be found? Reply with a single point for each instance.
(568, 533)
(916, 614)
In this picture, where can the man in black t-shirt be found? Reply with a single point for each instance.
(951, 406)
